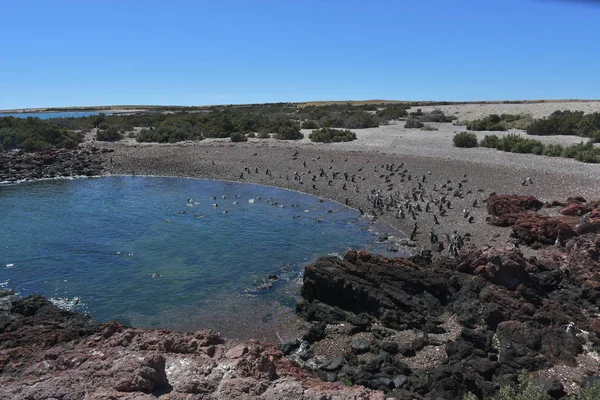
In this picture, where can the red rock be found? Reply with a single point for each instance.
(364, 255)
(499, 205)
(574, 209)
(237, 351)
(533, 228)
(595, 326)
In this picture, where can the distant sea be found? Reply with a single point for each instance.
(49, 115)
(172, 253)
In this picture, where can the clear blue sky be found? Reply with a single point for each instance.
(80, 52)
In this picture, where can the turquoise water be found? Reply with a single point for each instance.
(49, 115)
(170, 252)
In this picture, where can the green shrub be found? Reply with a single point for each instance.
(527, 389)
(520, 121)
(490, 141)
(237, 137)
(288, 131)
(427, 127)
(251, 135)
(393, 111)
(495, 122)
(435, 116)
(34, 144)
(465, 139)
(110, 134)
(566, 123)
(263, 135)
(413, 123)
(310, 124)
(33, 134)
(553, 150)
(590, 391)
(328, 135)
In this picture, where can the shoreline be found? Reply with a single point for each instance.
(222, 160)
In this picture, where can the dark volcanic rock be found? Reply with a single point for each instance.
(514, 314)
(52, 163)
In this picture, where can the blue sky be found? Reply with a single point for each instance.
(74, 53)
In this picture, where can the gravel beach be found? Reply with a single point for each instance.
(384, 161)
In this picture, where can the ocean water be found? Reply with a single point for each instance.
(49, 115)
(171, 253)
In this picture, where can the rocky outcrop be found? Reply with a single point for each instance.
(48, 353)
(410, 328)
(440, 329)
(19, 165)
(504, 210)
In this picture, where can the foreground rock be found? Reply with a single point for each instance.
(53, 163)
(48, 353)
(471, 323)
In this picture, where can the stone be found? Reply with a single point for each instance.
(399, 381)
(333, 365)
(237, 351)
(360, 346)
(389, 347)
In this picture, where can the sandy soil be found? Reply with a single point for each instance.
(537, 110)
(422, 162)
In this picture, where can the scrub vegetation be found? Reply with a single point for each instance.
(328, 135)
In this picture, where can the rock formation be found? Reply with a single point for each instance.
(49, 353)
(382, 327)
(460, 324)
(53, 163)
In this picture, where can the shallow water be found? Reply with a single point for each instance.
(49, 115)
(172, 253)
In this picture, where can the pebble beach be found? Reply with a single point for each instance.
(412, 166)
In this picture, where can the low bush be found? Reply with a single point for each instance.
(263, 135)
(328, 135)
(33, 134)
(435, 116)
(585, 152)
(427, 127)
(553, 150)
(393, 111)
(287, 130)
(530, 389)
(110, 134)
(465, 139)
(490, 141)
(251, 135)
(495, 122)
(567, 123)
(310, 124)
(237, 137)
(413, 123)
